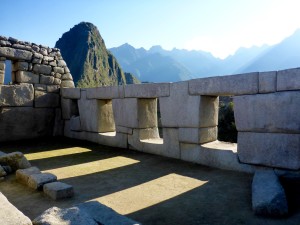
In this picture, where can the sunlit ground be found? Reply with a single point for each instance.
(147, 188)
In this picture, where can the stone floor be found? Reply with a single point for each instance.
(147, 188)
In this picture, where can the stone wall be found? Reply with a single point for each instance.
(266, 111)
(30, 104)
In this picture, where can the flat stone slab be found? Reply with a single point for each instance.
(37, 181)
(22, 175)
(58, 190)
(10, 215)
(268, 196)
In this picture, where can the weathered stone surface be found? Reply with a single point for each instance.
(15, 54)
(16, 160)
(2, 76)
(30, 123)
(20, 66)
(10, 215)
(58, 129)
(275, 112)
(184, 110)
(67, 83)
(240, 84)
(267, 81)
(69, 108)
(67, 76)
(46, 100)
(2, 65)
(27, 77)
(46, 79)
(268, 197)
(198, 135)
(124, 130)
(96, 115)
(70, 216)
(147, 113)
(109, 92)
(171, 143)
(270, 149)
(22, 175)
(58, 190)
(126, 112)
(288, 80)
(16, 95)
(53, 88)
(40, 87)
(147, 90)
(37, 180)
(44, 69)
(2, 172)
(72, 93)
(61, 63)
(75, 123)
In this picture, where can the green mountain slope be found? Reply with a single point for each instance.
(90, 63)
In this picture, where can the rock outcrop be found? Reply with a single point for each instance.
(91, 64)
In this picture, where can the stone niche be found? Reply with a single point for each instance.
(30, 103)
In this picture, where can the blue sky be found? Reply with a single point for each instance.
(217, 26)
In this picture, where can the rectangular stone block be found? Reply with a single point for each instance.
(198, 135)
(20, 66)
(240, 84)
(22, 175)
(46, 100)
(67, 84)
(2, 65)
(96, 115)
(147, 90)
(147, 113)
(58, 129)
(53, 88)
(109, 92)
(17, 123)
(27, 77)
(183, 110)
(267, 81)
(58, 190)
(16, 95)
(69, 108)
(2, 76)
(71, 93)
(15, 54)
(75, 123)
(275, 112)
(171, 143)
(126, 112)
(288, 79)
(37, 181)
(49, 80)
(270, 149)
(44, 69)
(124, 130)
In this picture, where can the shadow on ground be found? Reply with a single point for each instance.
(147, 188)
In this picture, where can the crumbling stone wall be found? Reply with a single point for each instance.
(30, 105)
(266, 107)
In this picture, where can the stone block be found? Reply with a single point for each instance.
(2, 76)
(75, 123)
(126, 112)
(198, 135)
(72, 93)
(67, 84)
(58, 129)
(58, 70)
(67, 129)
(241, 84)
(288, 79)
(267, 113)
(109, 92)
(46, 100)
(37, 181)
(147, 90)
(58, 190)
(171, 143)
(124, 130)
(147, 113)
(2, 65)
(69, 108)
(9, 214)
(27, 77)
(96, 115)
(67, 76)
(20, 66)
(44, 69)
(22, 175)
(183, 110)
(267, 81)
(15, 54)
(16, 95)
(53, 88)
(268, 196)
(19, 123)
(270, 149)
(2, 171)
(46, 79)
(16, 160)
(61, 63)
(40, 87)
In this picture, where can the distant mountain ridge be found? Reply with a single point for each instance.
(159, 65)
(90, 63)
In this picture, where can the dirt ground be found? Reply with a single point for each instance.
(150, 189)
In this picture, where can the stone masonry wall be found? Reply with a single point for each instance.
(30, 105)
(266, 107)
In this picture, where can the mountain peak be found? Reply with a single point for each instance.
(156, 48)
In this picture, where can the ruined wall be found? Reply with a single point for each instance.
(266, 111)
(30, 105)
